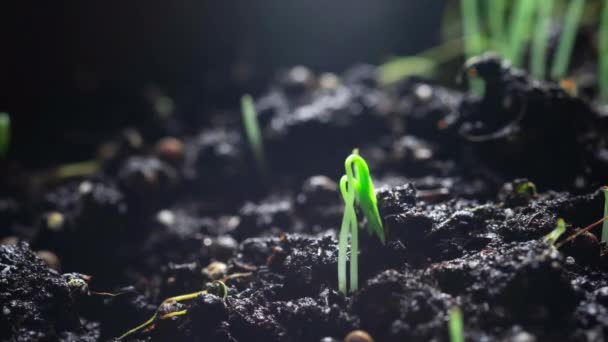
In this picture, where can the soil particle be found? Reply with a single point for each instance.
(36, 301)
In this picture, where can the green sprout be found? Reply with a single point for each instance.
(473, 39)
(456, 325)
(552, 237)
(5, 133)
(252, 129)
(496, 18)
(159, 315)
(566, 42)
(538, 64)
(605, 224)
(603, 54)
(356, 186)
(520, 26)
(473, 43)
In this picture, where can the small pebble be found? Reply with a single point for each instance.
(358, 336)
(170, 149)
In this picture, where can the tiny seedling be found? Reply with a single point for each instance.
(252, 130)
(496, 18)
(473, 42)
(568, 36)
(356, 186)
(473, 39)
(520, 26)
(552, 237)
(603, 54)
(538, 63)
(217, 285)
(605, 224)
(456, 325)
(5, 133)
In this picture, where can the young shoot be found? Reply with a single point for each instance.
(356, 187)
(473, 39)
(252, 130)
(603, 54)
(520, 28)
(605, 224)
(538, 64)
(552, 237)
(574, 13)
(496, 18)
(218, 288)
(5, 133)
(456, 325)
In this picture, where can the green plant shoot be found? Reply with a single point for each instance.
(5, 133)
(473, 41)
(605, 224)
(252, 130)
(574, 13)
(496, 15)
(552, 237)
(520, 27)
(356, 187)
(538, 64)
(456, 325)
(603, 54)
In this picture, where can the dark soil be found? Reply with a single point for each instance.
(164, 217)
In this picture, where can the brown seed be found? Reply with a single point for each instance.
(358, 336)
(50, 259)
(170, 149)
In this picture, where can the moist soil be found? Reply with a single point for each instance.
(467, 188)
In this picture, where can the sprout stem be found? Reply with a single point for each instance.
(605, 224)
(603, 54)
(5, 133)
(520, 24)
(456, 325)
(496, 15)
(541, 35)
(568, 36)
(252, 130)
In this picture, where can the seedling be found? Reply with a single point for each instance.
(219, 285)
(605, 224)
(566, 42)
(473, 40)
(496, 18)
(456, 325)
(356, 186)
(520, 25)
(473, 43)
(252, 130)
(5, 133)
(603, 54)
(538, 64)
(552, 237)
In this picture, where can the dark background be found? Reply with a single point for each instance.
(74, 71)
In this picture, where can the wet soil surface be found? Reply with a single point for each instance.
(467, 188)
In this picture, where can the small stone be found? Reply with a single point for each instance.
(358, 336)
